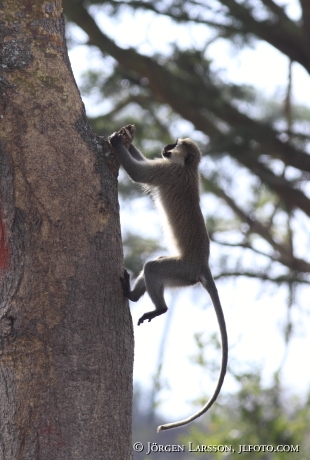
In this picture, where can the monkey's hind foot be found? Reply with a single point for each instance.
(151, 314)
(126, 284)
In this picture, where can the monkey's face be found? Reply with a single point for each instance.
(183, 151)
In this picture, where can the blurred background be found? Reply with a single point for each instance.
(233, 76)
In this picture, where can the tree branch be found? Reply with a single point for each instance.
(305, 6)
(283, 34)
(262, 276)
(285, 256)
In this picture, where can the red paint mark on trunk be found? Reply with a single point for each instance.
(4, 248)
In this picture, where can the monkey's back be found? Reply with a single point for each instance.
(178, 198)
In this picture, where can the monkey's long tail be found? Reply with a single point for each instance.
(208, 283)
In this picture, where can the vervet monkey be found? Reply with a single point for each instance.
(173, 182)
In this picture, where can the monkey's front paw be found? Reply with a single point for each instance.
(127, 133)
(115, 139)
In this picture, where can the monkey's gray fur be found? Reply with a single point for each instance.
(174, 184)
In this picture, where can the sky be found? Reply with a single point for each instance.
(255, 313)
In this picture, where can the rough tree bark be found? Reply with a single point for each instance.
(66, 339)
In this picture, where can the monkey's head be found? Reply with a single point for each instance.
(183, 151)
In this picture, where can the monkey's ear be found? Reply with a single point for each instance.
(190, 157)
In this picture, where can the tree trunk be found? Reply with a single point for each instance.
(66, 338)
